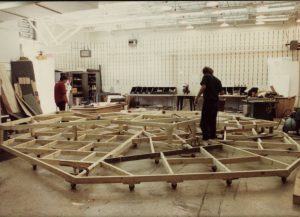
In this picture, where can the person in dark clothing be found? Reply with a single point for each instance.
(211, 86)
(60, 93)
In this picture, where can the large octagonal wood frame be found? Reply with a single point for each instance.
(59, 142)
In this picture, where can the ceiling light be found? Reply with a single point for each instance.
(260, 17)
(233, 18)
(259, 23)
(262, 8)
(224, 25)
(229, 11)
(189, 27)
(273, 19)
(288, 8)
(166, 8)
(183, 22)
(298, 20)
(187, 14)
(212, 4)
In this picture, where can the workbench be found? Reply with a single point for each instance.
(101, 107)
(156, 98)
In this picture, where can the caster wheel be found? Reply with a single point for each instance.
(131, 187)
(156, 161)
(134, 146)
(174, 185)
(164, 112)
(228, 182)
(35, 137)
(214, 169)
(73, 186)
(34, 167)
(68, 139)
(92, 149)
(98, 140)
(38, 156)
(283, 179)
(193, 155)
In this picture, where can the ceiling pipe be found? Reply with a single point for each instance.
(47, 8)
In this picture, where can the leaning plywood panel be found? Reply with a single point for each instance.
(8, 91)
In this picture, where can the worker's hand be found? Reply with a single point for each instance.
(196, 101)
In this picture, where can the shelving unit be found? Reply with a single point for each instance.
(86, 85)
(77, 86)
(92, 87)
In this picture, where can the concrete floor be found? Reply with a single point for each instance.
(25, 192)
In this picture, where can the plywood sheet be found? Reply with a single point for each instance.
(31, 101)
(8, 91)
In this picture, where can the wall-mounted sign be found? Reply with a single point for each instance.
(85, 53)
(26, 30)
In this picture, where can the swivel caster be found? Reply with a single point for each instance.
(174, 185)
(34, 167)
(35, 137)
(228, 182)
(98, 140)
(131, 187)
(193, 155)
(214, 169)
(38, 156)
(283, 179)
(73, 186)
(156, 161)
(92, 149)
(68, 139)
(134, 145)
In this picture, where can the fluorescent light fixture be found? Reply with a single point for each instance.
(260, 17)
(262, 8)
(189, 27)
(259, 23)
(271, 16)
(229, 11)
(212, 4)
(186, 14)
(288, 8)
(273, 19)
(233, 18)
(166, 8)
(224, 25)
(183, 22)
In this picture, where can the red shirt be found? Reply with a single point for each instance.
(60, 92)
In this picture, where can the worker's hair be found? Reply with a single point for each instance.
(63, 77)
(207, 69)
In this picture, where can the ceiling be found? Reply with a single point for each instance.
(129, 15)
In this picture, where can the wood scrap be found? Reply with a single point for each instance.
(8, 92)
(296, 195)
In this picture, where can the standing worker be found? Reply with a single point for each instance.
(60, 92)
(211, 86)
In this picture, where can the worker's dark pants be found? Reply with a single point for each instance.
(208, 121)
(61, 106)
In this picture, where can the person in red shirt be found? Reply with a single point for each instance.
(60, 92)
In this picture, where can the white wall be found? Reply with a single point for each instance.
(9, 43)
(238, 56)
(44, 74)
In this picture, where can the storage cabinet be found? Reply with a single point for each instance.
(86, 86)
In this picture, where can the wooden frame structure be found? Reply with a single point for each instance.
(96, 148)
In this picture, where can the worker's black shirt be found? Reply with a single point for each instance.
(213, 87)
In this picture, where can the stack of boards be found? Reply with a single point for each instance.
(20, 99)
